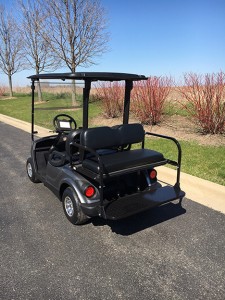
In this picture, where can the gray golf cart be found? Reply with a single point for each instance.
(96, 171)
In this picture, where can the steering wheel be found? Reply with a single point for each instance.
(66, 118)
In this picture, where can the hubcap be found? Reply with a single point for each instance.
(29, 170)
(69, 206)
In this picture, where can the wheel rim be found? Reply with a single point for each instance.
(69, 206)
(29, 170)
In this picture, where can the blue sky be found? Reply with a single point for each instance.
(160, 37)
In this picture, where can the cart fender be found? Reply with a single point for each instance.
(79, 186)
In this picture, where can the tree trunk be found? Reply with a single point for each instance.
(10, 85)
(39, 91)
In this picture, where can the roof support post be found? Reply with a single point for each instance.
(86, 93)
(32, 110)
(128, 89)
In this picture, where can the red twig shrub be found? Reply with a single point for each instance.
(2, 91)
(149, 97)
(205, 100)
(111, 94)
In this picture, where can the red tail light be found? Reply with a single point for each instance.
(89, 191)
(152, 174)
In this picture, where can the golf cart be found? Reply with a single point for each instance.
(96, 171)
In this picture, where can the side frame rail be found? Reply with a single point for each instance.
(101, 183)
(177, 163)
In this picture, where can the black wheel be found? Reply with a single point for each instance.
(72, 208)
(30, 171)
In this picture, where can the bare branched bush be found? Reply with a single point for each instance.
(111, 95)
(2, 91)
(149, 98)
(205, 100)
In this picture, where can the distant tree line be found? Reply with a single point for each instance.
(47, 35)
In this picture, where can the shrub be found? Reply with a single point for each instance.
(205, 100)
(111, 94)
(149, 98)
(62, 95)
(2, 91)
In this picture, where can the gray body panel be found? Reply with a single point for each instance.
(56, 177)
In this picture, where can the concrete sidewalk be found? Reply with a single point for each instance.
(199, 190)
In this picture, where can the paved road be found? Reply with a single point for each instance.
(166, 253)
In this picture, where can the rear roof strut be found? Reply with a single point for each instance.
(86, 93)
(126, 109)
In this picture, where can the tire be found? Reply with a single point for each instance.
(30, 171)
(72, 208)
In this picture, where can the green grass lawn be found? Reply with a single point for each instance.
(206, 162)
(20, 108)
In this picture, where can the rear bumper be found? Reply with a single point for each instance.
(91, 210)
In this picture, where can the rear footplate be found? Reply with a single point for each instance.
(133, 204)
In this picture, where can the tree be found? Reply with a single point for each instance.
(76, 32)
(11, 57)
(36, 48)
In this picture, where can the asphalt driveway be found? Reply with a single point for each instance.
(165, 253)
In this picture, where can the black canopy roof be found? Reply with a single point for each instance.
(93, 76)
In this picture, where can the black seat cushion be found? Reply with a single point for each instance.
(111, 137)
(131, 133)
(100, 138)
(122, 160)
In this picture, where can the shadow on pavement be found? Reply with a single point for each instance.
(143, 220)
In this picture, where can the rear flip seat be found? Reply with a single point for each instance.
(113, 137)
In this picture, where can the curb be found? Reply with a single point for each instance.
(199, 190)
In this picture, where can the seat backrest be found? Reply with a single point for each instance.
(73, 136)
(100, 138)
(109, 137)
(131, 133)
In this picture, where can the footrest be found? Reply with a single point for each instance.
(133, 204)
